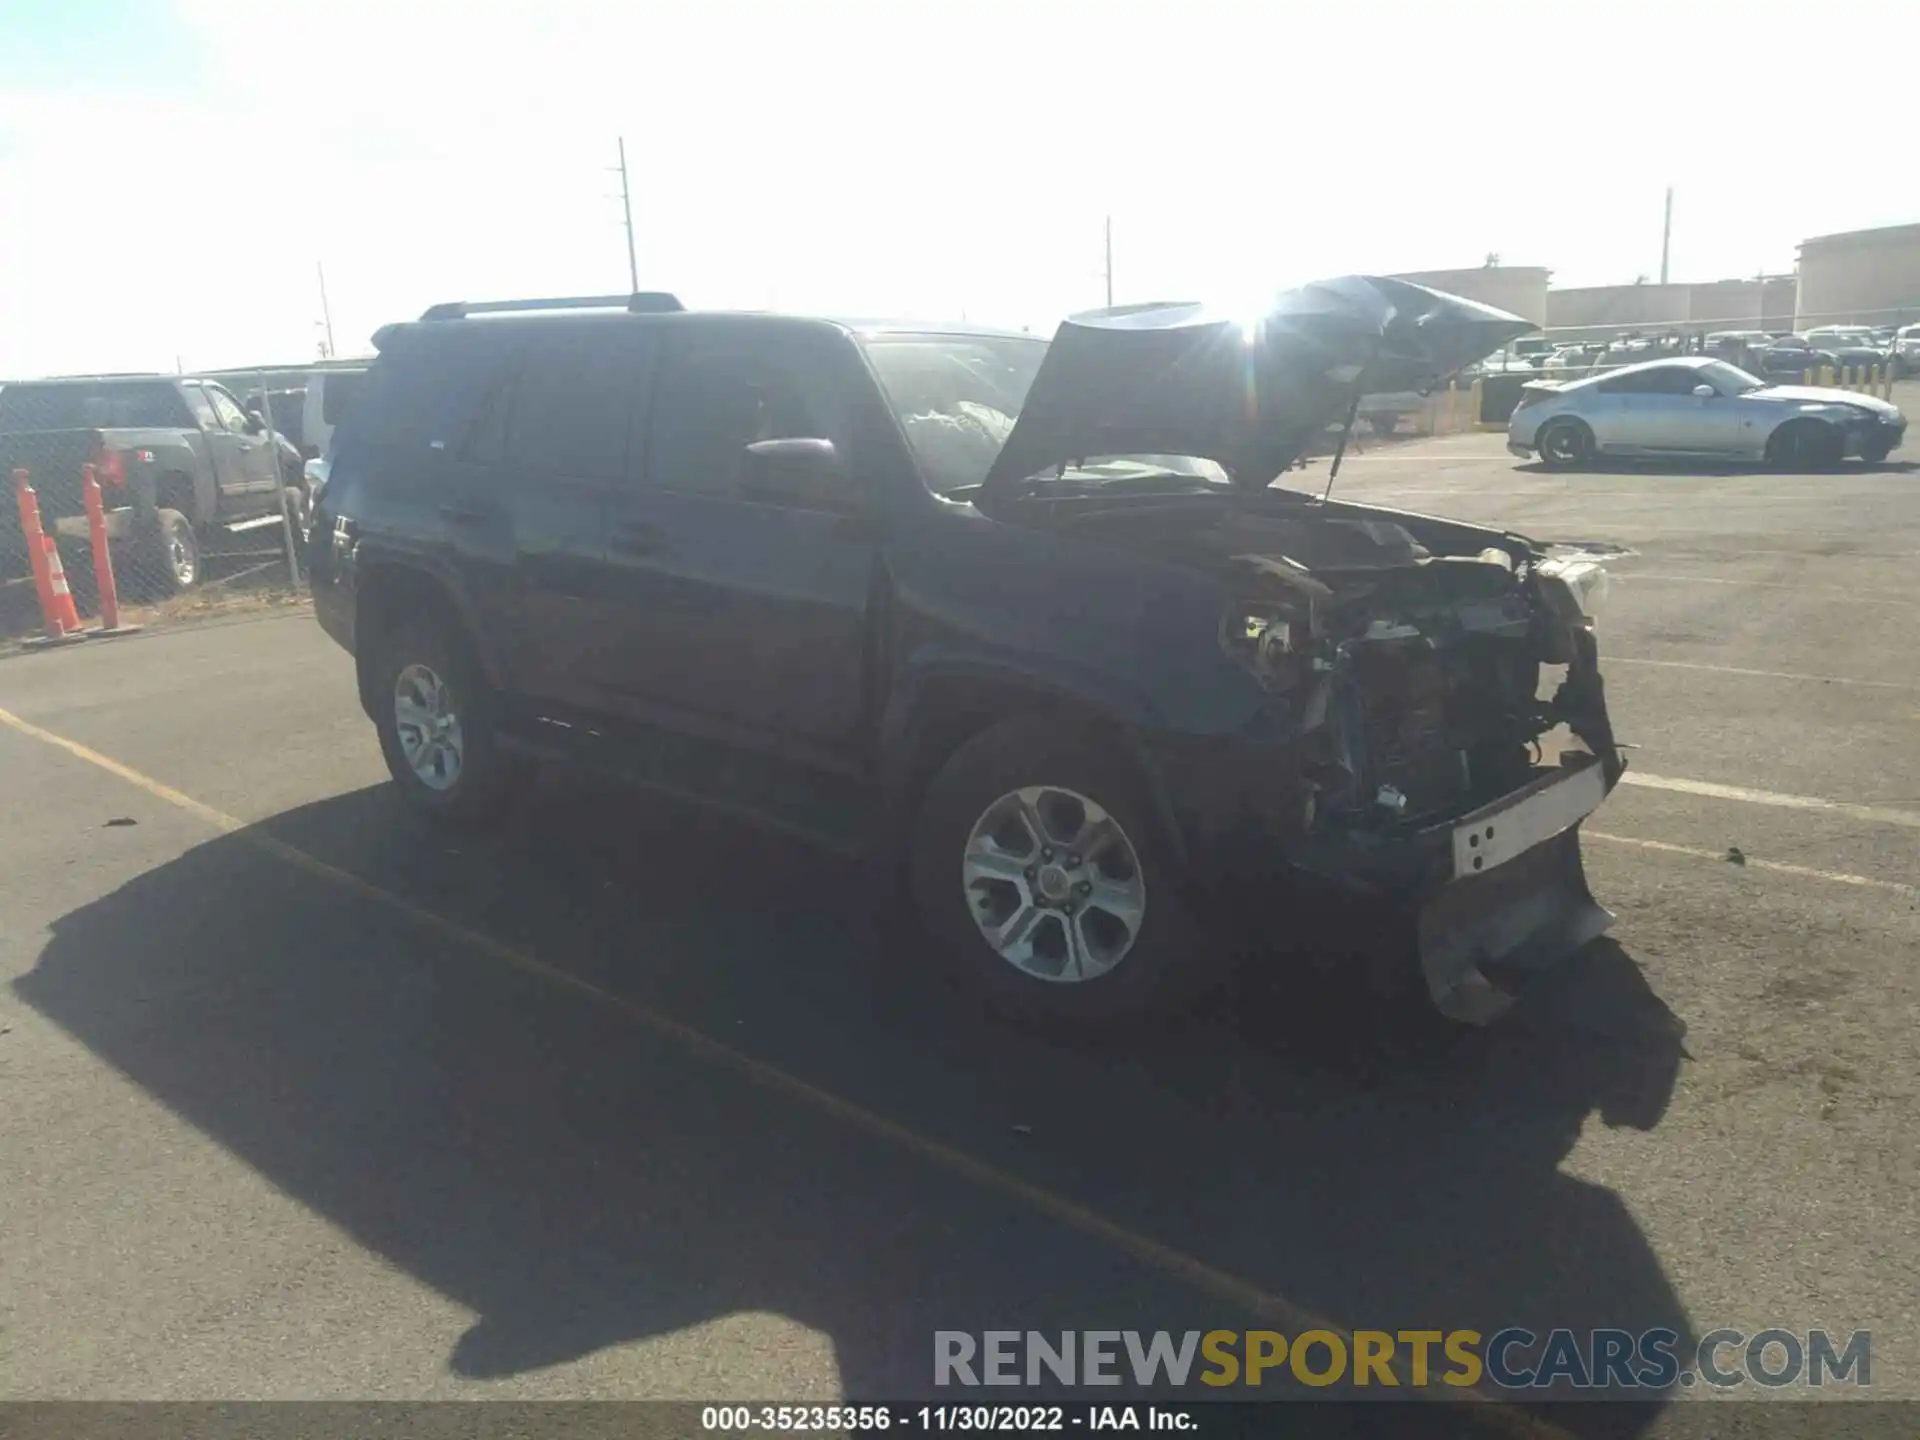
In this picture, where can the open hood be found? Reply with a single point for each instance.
(1248, 392)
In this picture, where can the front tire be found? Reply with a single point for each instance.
(1041, 877)
(434, 713)
(1565, 444)
(1805, 445)
(1876, 453)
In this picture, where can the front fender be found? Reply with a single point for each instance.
(944, 695)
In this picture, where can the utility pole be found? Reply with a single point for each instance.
(1666, 237)
(1109, 270)
(326, 311)
(626, 208)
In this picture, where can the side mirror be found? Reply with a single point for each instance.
(1705, 392)
(256, 423)
(803, 474)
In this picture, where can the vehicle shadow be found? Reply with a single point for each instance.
(580, 1181)
(1613, 465)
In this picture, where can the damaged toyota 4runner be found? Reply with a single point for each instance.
(1032, 619)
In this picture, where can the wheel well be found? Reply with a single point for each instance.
(1805, 422)
(174, 491)
(947, 713)
(384, 597)
(1565, 421)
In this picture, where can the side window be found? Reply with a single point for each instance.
(228, 410)
(710, 406)
(1640, 382)
(577, 398)
(202, 407)
(336, 393)
(1674, 380)
(428, 388)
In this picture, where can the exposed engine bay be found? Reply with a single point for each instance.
(1408, 651)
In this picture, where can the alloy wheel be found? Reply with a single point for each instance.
(1054, 884)
(428, 727)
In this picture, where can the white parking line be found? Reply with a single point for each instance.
(1760, 674)
(1881, 597)
(1777, 867)
(1876, 814)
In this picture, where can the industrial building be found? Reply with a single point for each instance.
(1862, 277)
(1518, 289)
(1598, 311)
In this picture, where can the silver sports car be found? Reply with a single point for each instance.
(1693, 405)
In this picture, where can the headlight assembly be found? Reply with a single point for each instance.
(1580, 579)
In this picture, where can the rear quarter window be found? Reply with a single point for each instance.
(336, 394)
(431, 385)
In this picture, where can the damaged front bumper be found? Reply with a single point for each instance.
(1510, 893)
(1495, 893)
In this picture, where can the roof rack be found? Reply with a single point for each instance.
(641, 302)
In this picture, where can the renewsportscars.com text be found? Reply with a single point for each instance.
(1511, 1359)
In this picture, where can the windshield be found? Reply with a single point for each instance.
(1729, 379)
(956, 398)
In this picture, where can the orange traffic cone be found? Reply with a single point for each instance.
(64, 609)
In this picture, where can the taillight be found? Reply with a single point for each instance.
(110, 467)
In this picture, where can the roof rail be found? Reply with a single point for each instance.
(641, 302)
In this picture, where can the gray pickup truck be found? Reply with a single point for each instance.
(176, 458)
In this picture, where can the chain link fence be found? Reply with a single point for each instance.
(161, 498)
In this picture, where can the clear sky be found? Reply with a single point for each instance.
(171, 170)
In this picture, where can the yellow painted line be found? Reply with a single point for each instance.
(1777, 867)
(1219, 1284)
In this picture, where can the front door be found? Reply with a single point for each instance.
(743, 616)
(253, 460)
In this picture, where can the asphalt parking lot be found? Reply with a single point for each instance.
(304, 1101)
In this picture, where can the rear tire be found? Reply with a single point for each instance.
(1805, 445)
(435, 715)
(1565, 444)
(1384, 425)
(1134, 950)
(165, 555)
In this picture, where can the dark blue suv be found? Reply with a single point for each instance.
(1029, 618)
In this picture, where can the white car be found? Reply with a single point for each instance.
(1694, 405)
(1906, 350)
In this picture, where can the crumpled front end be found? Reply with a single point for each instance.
(1417, 758)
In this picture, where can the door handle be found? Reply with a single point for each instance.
(638, 539)
(464, 514)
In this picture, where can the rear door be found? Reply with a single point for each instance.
(255, 466)
(565, 438)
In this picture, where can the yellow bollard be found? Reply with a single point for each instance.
(1476, 407)
(1826, 375)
